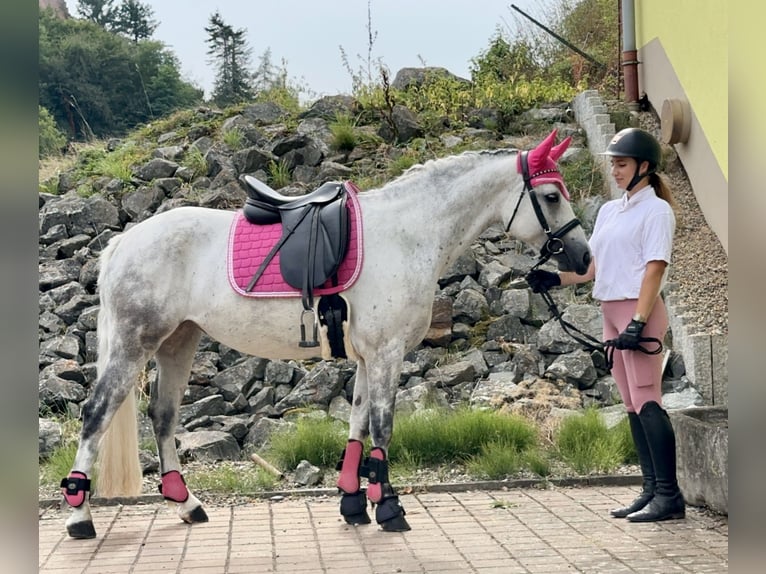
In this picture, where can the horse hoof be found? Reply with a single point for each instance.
(196, 515)
(353, 507)
(389, 513)
(83, 529)
(357, 519)
(395, 524)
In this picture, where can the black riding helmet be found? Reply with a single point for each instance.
(639, 144)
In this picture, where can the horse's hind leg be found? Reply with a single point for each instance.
(113, 392)
(382, 377)
(174, 360)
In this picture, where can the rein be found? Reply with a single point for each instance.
(553, 246)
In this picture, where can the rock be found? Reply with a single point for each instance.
(423, 396)
(318, 387)
(307, 474)
(260, 432)
(49, 435)
(208, 406)
(207, 446)
(156, 168)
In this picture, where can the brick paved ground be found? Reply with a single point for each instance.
(512, 531)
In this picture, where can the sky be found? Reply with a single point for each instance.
(308, 34)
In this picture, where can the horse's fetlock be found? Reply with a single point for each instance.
(74, 488)
(173, 487)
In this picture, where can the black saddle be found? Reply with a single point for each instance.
(315, 233)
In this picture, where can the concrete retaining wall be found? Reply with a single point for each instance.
(702, 452)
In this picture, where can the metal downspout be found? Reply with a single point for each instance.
(629, 54)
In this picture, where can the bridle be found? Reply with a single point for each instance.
(553, 246)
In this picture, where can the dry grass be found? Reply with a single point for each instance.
(53, 166)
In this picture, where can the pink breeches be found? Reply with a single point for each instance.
(638, 375)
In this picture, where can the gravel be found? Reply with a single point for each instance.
(699, 271)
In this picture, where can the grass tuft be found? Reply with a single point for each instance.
(279, 174)
(586, 444)
(319, 441)
(343, 133)
(435, 437)
(496, 461)
(234, 139)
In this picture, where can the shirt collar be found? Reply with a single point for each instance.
(641, 195)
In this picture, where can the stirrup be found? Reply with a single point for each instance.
(303, 342)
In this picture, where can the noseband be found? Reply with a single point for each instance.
(554, 244)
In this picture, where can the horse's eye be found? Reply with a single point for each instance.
(552, 197)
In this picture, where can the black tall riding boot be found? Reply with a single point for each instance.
(647, 469)
(668, 502)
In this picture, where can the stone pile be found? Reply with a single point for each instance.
(492, 342)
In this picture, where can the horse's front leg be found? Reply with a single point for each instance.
(174, 360)
(353, 504)
(383, 382)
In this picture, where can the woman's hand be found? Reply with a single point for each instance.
(540, 280)
(631, 336)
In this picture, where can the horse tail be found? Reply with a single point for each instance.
(119, 468)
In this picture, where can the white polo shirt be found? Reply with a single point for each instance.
(628, 233)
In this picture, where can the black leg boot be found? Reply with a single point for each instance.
(647, 469)
(668, 502)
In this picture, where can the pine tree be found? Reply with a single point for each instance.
(99, 11)
(134, 19)
(229, 50)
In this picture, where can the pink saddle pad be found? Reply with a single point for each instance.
(249, 244)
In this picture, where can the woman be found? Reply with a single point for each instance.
(631, 244)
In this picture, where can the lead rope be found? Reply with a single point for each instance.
(589, 342)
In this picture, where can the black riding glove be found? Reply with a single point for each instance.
(631, 336)
(540, 280)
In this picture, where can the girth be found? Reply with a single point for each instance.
(315, 233)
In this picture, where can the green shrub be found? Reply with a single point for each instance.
(51, 140)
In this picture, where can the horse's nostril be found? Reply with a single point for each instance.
(586, 259)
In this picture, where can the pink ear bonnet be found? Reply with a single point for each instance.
(541, 162)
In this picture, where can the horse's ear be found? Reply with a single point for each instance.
(558, 150)
(537, 155)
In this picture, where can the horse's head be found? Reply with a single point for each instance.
(542, 215)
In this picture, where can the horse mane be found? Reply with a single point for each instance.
(435, 163)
